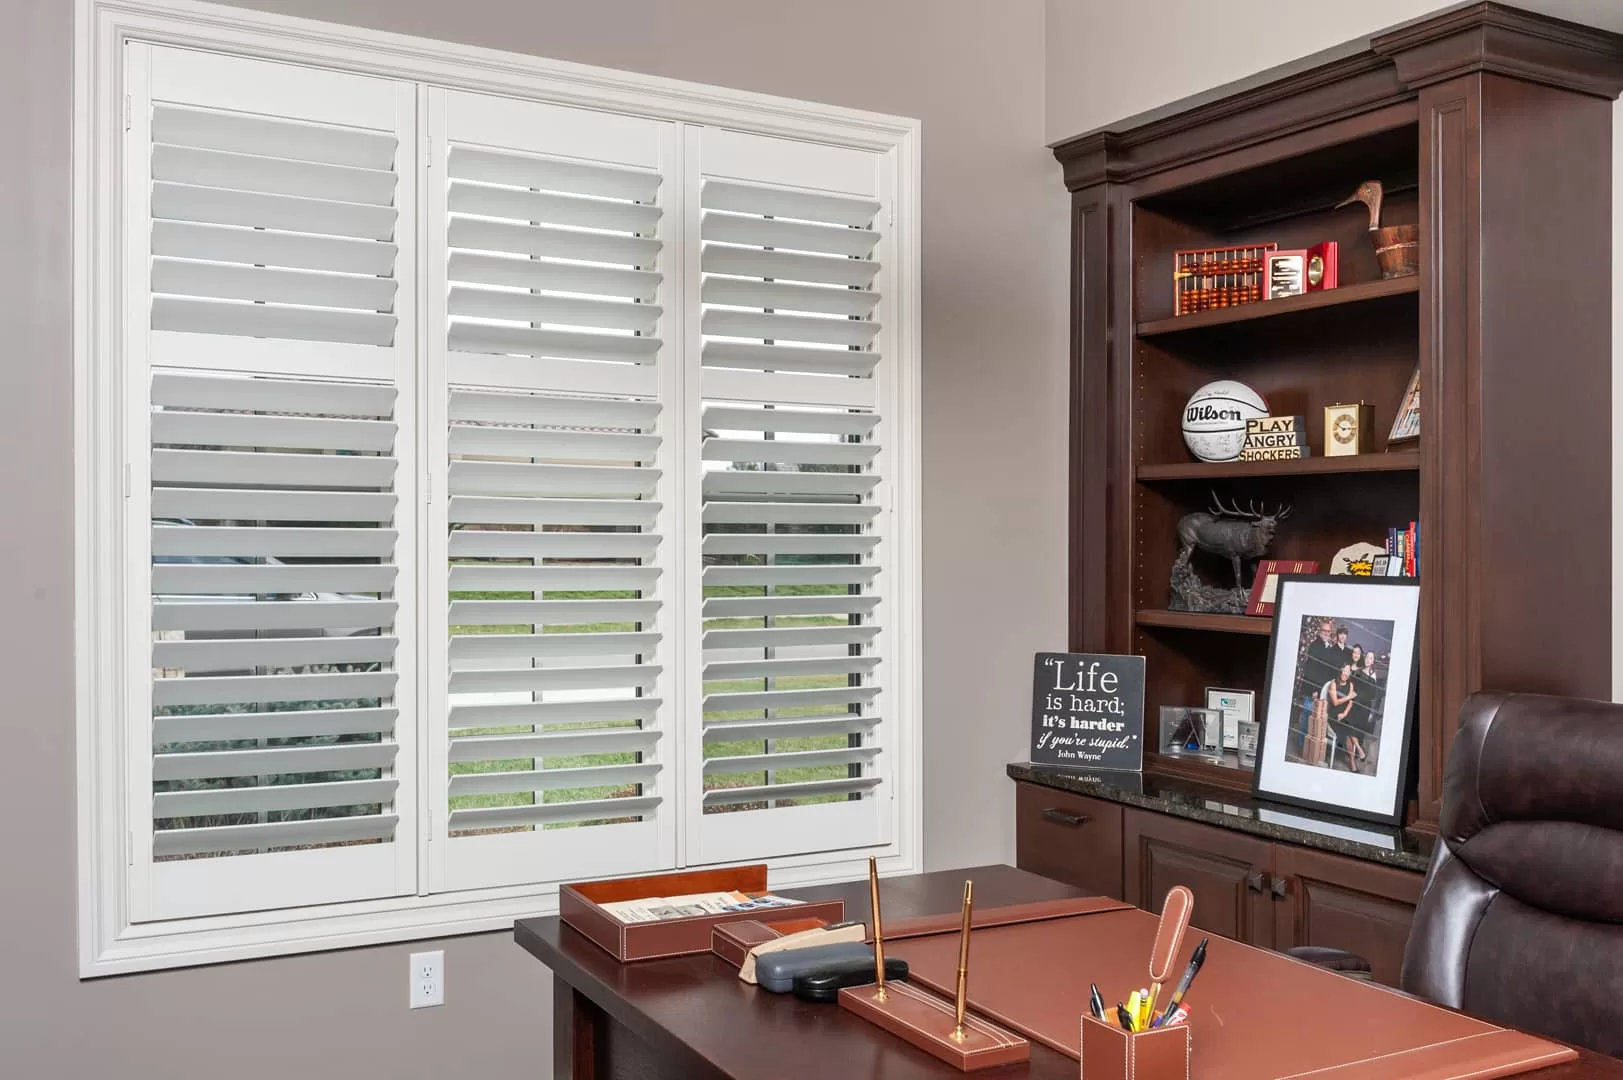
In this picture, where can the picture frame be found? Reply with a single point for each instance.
(1330, 740)
(1261, 601)
(1406, 422)
(1287, 274)
(1242, 704)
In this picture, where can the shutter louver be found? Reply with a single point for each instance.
(276, 449)
(793, 579)
(273, 618)
(553, 521)
(272, 228)
(546, 647)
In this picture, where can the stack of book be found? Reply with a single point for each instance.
(1403, 548)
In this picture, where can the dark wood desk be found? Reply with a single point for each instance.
(692, 1017)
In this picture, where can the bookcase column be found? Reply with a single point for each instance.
(1515, 478)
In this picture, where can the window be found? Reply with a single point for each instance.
(484, 484)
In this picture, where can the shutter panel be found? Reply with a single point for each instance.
(556, 472)
(268, 217)
(792, 305)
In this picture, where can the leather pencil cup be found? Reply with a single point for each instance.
(1109, 1053)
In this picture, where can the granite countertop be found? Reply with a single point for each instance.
(1403, 848)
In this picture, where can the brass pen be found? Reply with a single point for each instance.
(963, 965)
(878, 933)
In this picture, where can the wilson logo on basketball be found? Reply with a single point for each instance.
(1202, 412)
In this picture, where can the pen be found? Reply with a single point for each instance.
(1125, 1018)
(1189, 974)
(1096, 1001)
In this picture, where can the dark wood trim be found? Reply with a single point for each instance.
(1189, 620)
(1490, 37)
(1091, 384)
(1449, 396)
(1359, 293)
(575, 1025)
(1119, 353)
(1335, 91)
(1392, 461)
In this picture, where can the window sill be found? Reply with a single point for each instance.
(162, 945)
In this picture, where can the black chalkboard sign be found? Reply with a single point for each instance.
(1087, 711)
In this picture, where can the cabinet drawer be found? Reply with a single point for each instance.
(1226, 871)
(1069, 838)
(1346, 904)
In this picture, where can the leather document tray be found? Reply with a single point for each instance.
(579, 905)
(1254, 1014)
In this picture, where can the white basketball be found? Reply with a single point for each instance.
(1214, 420)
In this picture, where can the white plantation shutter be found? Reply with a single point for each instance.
(546, 565)
(793, 574)
(270, 354)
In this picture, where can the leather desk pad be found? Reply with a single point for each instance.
(1254, 1014)
(981, 918)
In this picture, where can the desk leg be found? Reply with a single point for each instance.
(578, 1029)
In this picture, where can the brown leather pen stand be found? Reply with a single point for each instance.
(1109, 1053)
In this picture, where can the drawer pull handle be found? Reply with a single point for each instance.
(1256, 881)
(1064, 817)
(1279, 888)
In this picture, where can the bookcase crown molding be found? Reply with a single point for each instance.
(1484, 38)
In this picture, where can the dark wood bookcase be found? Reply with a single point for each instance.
(1491, 129)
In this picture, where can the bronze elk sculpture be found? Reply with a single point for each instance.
(1229, 532)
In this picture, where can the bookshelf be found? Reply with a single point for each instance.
(1511, 479)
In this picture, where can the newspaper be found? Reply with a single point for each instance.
(655, 908)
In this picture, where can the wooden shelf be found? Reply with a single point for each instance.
(1363, 292)
(1201, 772)
(1188, 620)
(1392, 461)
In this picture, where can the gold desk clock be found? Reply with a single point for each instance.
(1347, 429)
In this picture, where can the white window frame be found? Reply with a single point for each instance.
(109, 943)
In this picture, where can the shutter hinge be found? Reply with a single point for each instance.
(127, 112)
(428, 153)
(126, 481)
(428, 488)
(129, 848)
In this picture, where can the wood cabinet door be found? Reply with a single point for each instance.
(1069, 838)
(1345, 904)
(1226, 871)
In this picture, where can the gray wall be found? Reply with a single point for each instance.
(994, 441)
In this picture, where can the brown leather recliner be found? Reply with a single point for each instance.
(1521, 920)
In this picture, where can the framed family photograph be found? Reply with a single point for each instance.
(1339, 700)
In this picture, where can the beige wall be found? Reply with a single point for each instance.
(994, 441)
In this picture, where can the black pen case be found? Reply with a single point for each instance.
(777, 971)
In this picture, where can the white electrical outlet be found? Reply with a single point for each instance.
(427, 979)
